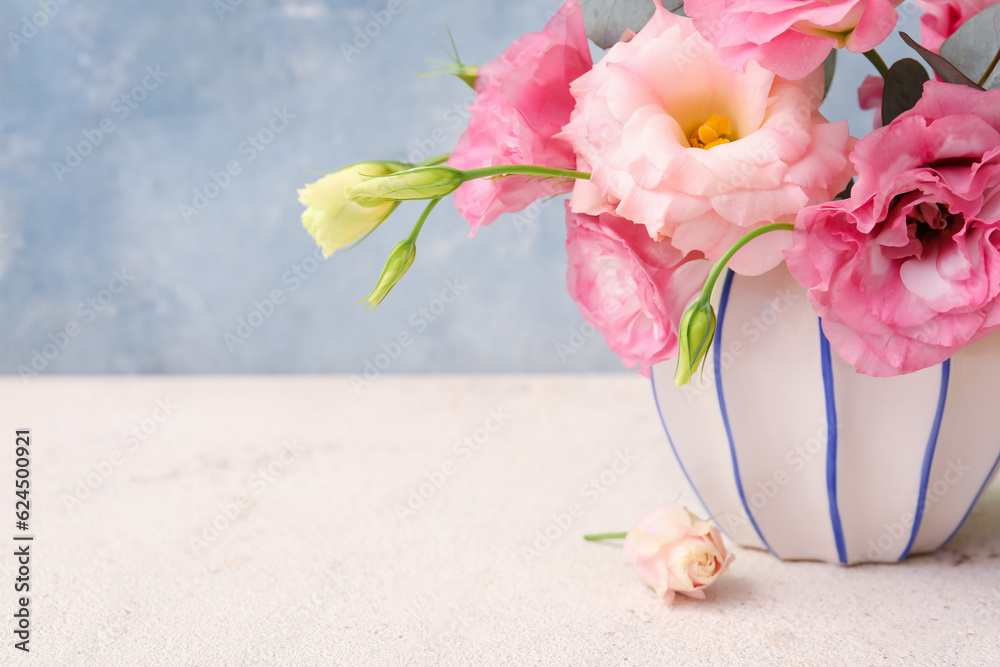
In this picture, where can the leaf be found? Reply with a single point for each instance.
(903, 87)
(829, 67)
(607, 20)
(846, 192)
(948, 72)
(972, 47)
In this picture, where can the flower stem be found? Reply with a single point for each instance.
(605, 536)
(523, 169)
(431, 161)
(713, 276)
(876, 60)
(412, 238)
(989, 70)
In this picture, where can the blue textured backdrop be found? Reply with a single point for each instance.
(114, 116)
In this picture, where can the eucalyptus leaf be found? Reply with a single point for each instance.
(904, 84)
(974, 45)
(948, 72)
(607, 20)
(829, 67)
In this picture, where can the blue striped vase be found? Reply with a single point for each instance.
(792, 451)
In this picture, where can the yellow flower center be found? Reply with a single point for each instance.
(712, 132)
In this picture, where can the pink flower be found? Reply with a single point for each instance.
(943, 17)
(766, 151)
(523, 100)
(907, 270)
(676, 552)
(790, 39)
(629, 287)
(870, 97)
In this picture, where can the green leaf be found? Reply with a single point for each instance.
(829, 67)
(973, 46)
(607, 20)
(948, 72)
(903, 87)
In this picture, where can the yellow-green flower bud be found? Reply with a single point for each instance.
(695, 335)
(417, 183)
(400, 260)
(335, 221)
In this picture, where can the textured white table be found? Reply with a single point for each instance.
(319, 567)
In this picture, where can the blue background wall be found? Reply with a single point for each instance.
(168, 94)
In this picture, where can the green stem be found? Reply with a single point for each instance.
(989, 70)
(431, 161)
(412, 238)
(523, 169)
(605, 536)
(876, 60)
(713, 276)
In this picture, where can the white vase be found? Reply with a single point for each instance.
(792, 451)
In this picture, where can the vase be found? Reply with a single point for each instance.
(792, 451)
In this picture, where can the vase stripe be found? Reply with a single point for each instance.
(989, 477)
(831, 444)
(680, 461)
(925, 472)
(717, 363)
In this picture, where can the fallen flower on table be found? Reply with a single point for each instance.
(674, 551)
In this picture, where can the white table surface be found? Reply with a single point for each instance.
(319, 569)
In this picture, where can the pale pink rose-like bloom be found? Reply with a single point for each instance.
(676, 552)
(523, 99)
(942, 18)
(870, 97)
(636, 111)
(790, 37)
(907, 271)
(632, 289)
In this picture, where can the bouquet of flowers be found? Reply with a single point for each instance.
(694, 136)
(696, 144)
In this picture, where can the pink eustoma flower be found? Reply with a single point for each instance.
(907, 270)
(942, 18)
(697, 152)
(790, 37)
(629, 287)
(870, 97)
(522, 101)
(676, 552)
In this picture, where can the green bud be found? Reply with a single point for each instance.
(467, 73)
(697, 330)
(417, 183)
(400, 260)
